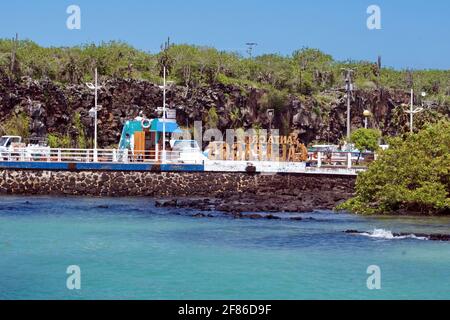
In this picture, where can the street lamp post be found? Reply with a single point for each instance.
(366, 114)
(349, 90)
(164, 116)
(164, 111)
(95, 88)
(412, 111)
(96, 113)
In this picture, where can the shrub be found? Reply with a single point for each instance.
(81, 138)
(16, 125)
(56, 141)
(366, 139)
(213, 118)
(413, 176)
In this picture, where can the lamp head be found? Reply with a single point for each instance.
(367, 113)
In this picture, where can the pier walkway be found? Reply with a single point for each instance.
(344, 163)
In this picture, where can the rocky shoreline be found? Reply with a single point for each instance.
(213, 208)
(262, 202)
(429, 237)
(226, 192)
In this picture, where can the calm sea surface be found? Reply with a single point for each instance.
(128, 249)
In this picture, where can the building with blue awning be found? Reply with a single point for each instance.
(144, 136)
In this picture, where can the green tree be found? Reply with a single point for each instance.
(16, 125)
(213, 118)
(366, 140)
(81, 137)
(413, 176)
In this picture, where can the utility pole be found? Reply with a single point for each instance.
(164, 116)
(250, 46)
(412, 111)
(165, 61)
(349, 92)
(94, 112)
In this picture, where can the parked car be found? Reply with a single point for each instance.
(6, 141)
(186, 151)
(6, 145)
(14, 148)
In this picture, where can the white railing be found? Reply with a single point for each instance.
(343, 159)
(98, 156)
(337, 160)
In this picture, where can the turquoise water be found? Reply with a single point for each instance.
(128, 249)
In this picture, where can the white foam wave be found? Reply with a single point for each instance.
(388, 235)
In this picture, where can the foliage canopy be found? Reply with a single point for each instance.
(412, 176)
(306, 71)
(366, 139)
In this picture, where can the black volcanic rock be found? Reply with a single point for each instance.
(431, 237)
(51, 108)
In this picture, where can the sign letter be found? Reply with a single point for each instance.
(74, 20)
(74, 280)
(374, 281)
(374, 20)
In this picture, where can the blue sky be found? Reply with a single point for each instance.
(414, 34)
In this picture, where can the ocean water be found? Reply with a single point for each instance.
(129, 249)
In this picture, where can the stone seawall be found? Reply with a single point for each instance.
(319, 191)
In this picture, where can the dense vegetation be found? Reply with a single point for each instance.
(17, 125)
(412, 176)
(366, 139)
(304, 72)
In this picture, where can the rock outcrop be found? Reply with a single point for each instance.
(51, 108)
(406, 235)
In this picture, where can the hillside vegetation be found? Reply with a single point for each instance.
(305, 72)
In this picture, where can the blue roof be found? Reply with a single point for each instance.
(171, 127)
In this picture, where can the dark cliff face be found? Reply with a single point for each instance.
(52, 108)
